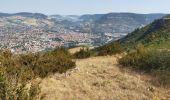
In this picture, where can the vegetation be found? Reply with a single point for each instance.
(148, 50)
(18, 91)
(97, 73)
(156, 33)
(109, 49)
(153, 54)
(83, 53)
(17, 69)
(151, 61)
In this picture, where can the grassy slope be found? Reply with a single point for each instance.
(156, 34)
(100, 78)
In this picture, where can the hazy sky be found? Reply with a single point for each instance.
(67, 7)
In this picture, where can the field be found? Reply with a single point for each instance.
(100, 78)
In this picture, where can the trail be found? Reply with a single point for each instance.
(100, 78)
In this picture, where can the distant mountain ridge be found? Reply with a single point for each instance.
(89, 23)
(124, 22)
(111, 22)
(25, 14)
(89, 17)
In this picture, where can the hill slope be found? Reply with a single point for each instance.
(100, 78)
(123, 22)
(97, 23)
(111, 22)
(155, 33)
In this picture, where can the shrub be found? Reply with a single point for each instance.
(163, 75)
(109, 49)
(34, 90)
(151, 61)
(18, 92)
(17, 69)
(83, 53)
(2, 88)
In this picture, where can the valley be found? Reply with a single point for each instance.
(127, 59)
(33, 32)
(85, 50)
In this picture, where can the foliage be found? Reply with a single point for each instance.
(155, 33)
(17, 69)
(18, 91)
(83, 53)
(151, 61)
(34, 90)
(2, 87)
(109, 49)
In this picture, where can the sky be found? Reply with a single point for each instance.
(79, 7)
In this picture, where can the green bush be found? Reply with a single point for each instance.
(18, 91)
(163, 75)
(34, 90)
(83, 53)
(156, 62)
(17, 69)
(41, 65)
(2, 87)
(110, 49)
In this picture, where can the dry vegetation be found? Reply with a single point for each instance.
(74, 50)
(108, 49)
(151, 61)
(94, 78)
(100, 78)
(16, 70)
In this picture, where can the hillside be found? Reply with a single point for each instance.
(38, 32)
(111, 22)
(124, 22)
(156, 33)
(93, 78)
(27, 22)
(100, 78)
(97, 23)
(25, 14)
(148, 50)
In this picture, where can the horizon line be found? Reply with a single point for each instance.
(81, 14)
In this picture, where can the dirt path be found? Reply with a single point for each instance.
(99, 78)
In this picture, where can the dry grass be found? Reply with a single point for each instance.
(99, 78)
(74, 50)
